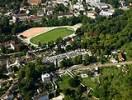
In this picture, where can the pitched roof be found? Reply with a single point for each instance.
(34, 2)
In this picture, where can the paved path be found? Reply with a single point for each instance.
(82, 67)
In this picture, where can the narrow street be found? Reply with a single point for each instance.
(82, 67)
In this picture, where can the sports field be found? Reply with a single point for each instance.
(51, 35)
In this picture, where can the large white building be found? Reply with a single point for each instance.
(106, 13)
(92, 1)
(45, 78)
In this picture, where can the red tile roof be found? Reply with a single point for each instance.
(34, 2)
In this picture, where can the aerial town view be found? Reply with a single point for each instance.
(65, 49)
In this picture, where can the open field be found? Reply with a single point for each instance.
(51, 35)
(64, 83)
(31, 33)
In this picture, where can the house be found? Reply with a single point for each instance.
(10, 66)
(45, 78)
(93, 2)
(113, 60)
(84, 75)
(96, 71)
(114, 52)
(12, 46)
(40, 13)
(66, 15)
(122, 3)
(64, 2)
(103, 6)
(91, 15)
(34, 2)
(121, 56)
(106, 13)
(9, 45)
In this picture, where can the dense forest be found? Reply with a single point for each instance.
(115, 83)
(106, 34)
(11, 4)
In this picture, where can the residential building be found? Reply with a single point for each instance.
(91, 15)
(34, 2)
(45, 78)
(121, 56)
(106, 13)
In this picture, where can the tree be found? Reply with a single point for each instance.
(114, 3)
(75, 82)
(73, 1)
(68, 48)
(66, 63)
(77, 60)
(3, 49)
(86, 60)
(60, 8)
(118, 12)
(79, 31)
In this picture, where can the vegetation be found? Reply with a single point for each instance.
(90, 82)
(29, 75)
(55, 21)
(106, 34)
(61, 9)
(86, 60)
(71, 88)
(11, 4)
(116, 3)
(115, 83)
(51, 35)
(64, 82)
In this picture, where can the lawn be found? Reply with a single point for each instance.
(51, 35)
(90, 82)
(64, 84)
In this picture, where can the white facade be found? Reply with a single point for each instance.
(113, 60)
(45, 78)
(12, 46)
(92, 1)
(106, 13)
(91, 15)
(103, 6)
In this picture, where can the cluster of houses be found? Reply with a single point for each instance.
(90, 6)
(40, 94)
(9, 45)
(46, 8)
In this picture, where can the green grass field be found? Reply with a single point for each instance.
(51, 35)
(64, 84)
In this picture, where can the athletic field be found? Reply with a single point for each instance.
(51, 35)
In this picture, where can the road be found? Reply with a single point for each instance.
(82, 67)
